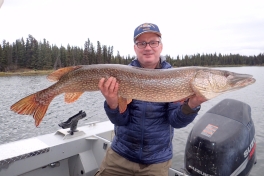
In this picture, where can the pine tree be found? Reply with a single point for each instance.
(14, 56)
(110, 54)
(99, 55)
(63, 56)
(105, 54)
(92, 54)
(1, 58)
(56, 57)
(21, 49)
(86, 52)
(5, 56)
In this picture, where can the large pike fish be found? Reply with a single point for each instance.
(154, 85)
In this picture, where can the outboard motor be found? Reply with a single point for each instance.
(222, 142)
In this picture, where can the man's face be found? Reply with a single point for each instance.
(148, 57)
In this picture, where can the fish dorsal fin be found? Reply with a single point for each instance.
(56, 75)
(72, 97)
(122, 104)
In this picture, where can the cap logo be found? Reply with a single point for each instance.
(145, 26)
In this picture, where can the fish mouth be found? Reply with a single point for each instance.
(237, 80)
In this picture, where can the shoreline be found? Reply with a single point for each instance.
(26, 73)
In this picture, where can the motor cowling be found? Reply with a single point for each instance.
(222, 142)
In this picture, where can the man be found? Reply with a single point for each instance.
(143, 133)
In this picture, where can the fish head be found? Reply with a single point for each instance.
(210, 83)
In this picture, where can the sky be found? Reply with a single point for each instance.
(188, 27)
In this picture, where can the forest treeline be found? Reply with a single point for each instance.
(41, 55)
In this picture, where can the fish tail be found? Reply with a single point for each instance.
(31, 105)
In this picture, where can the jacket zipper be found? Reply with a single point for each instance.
(142, 130)
(170, 136)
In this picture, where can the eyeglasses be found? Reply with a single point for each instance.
(152, 44)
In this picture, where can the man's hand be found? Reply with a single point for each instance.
(196, 101)
(109, 90)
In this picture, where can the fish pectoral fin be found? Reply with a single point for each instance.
(129, 101)
(183, 99)
(72, 97)
(122, 104)
(56, 75)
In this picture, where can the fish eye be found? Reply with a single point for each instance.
(226, 74)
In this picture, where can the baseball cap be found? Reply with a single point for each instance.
(146, 27)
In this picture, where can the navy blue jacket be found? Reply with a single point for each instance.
(144, 132)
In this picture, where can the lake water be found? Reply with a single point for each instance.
(14, 127)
